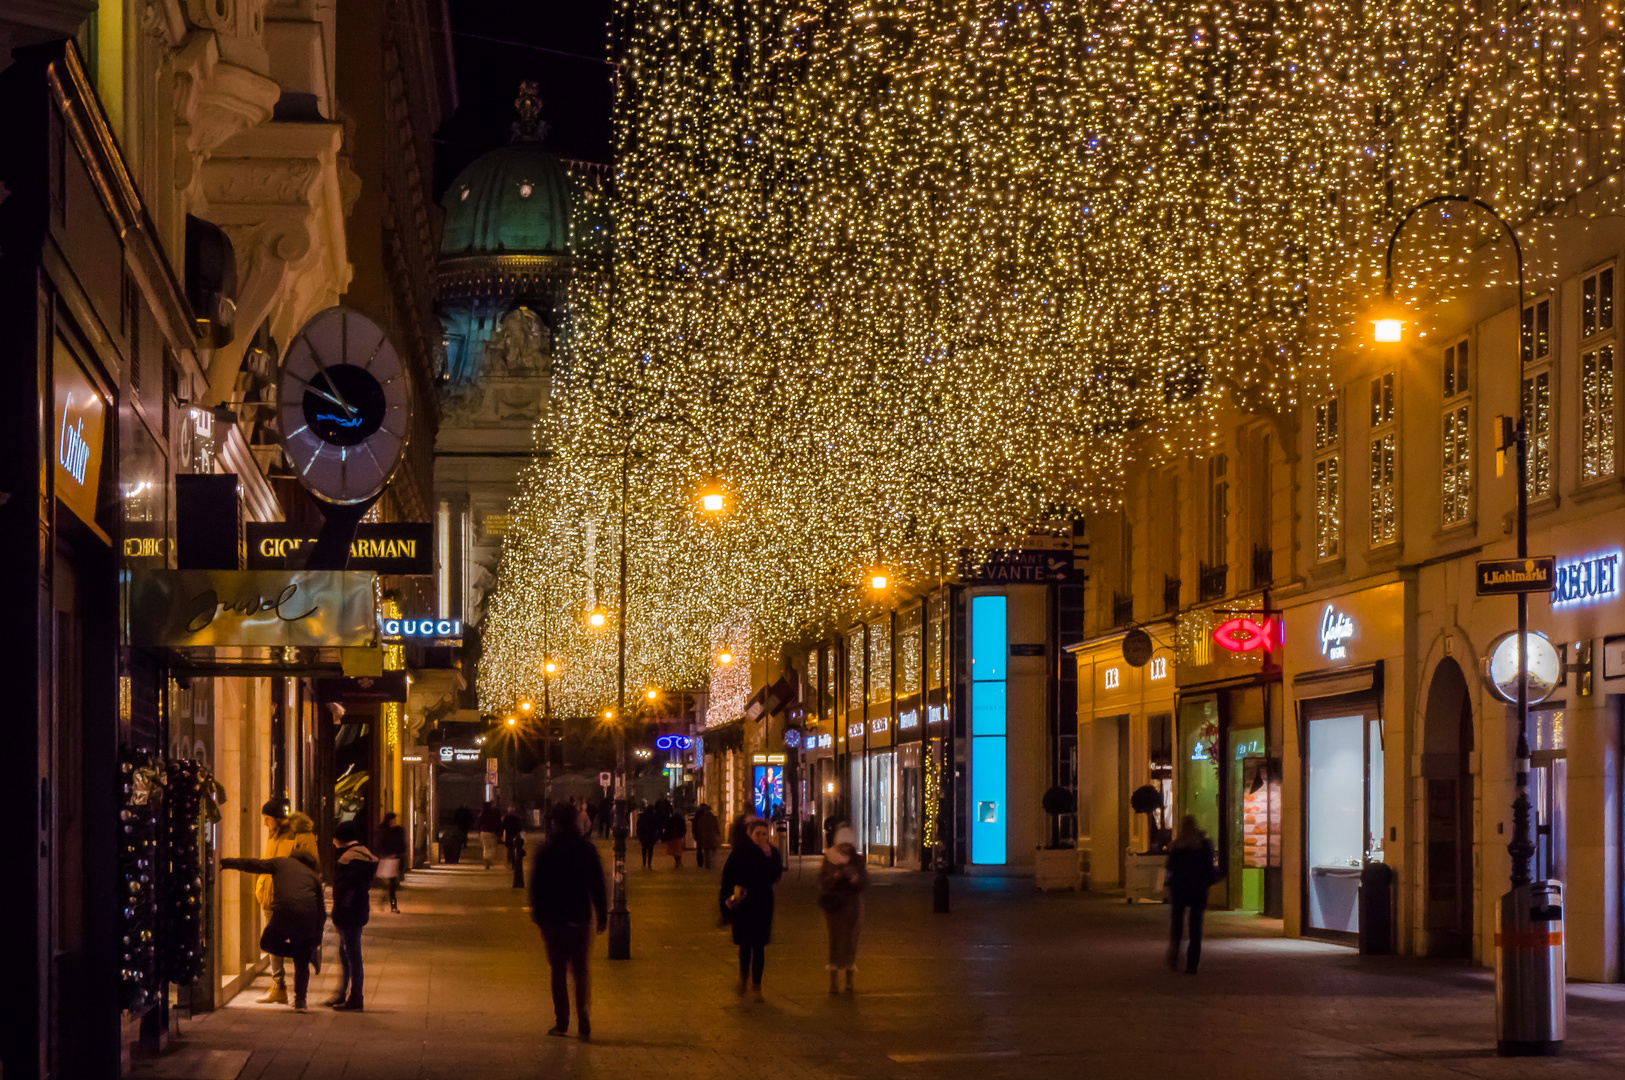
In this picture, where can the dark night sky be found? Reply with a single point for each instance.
(498, 43)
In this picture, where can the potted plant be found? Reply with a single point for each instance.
(1057, 864)
(1142, 871)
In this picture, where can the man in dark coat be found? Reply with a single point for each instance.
(1191, 872)
(298, 912)
(566, 897)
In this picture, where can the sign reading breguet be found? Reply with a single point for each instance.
(1588, 580)
(303, 608)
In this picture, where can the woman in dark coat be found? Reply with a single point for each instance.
(352, 877)
(707, 835)
(1191, 872)
(391, 844)
(841, 881)
(673, 832)
(746, 898)
(298, 913)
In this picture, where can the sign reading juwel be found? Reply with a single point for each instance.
(302, 608)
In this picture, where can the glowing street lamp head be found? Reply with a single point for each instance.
(711, 498)
(596, 619)
(1388, 330)
(512, 721)
(651, 693)
(526, 706)
(725, 657)
(609, 714)
(878, 581)
(550, 667)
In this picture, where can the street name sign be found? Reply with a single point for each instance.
(1507, 577)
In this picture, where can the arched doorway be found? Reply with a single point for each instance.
(1447, 739)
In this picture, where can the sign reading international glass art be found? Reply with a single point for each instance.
(256, 608)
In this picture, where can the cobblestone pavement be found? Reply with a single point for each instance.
(1011, 984)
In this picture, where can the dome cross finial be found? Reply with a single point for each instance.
(530, 127)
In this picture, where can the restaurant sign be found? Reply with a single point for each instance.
(258, 608)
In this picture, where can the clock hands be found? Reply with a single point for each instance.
(319, 392)
(317, 356)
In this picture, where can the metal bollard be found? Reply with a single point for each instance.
(1530, 1009)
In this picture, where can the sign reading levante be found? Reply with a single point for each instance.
(383, 548)
(1506, 577)
(1022, 566)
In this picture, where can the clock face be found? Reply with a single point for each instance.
(343, 407)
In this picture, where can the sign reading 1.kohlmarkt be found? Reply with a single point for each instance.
(1507, 577)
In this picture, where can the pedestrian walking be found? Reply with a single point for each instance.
(462, 823)
(746, 898)
(490, 832)
(648, 830)
(606, 815)
(286, 834)
(674, 831)
(707, 835)
(352, 878)
(390, 847)
(1191, 872)
(298, 913)
(566, 898)
(841, 881)
(583, 819)
(513, 837)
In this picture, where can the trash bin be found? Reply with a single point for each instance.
(1530, 1013)
(1377, 909)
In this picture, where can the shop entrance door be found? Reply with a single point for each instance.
(1548, 792)
(1201, 778)
(1447, 738)
(1343, 831)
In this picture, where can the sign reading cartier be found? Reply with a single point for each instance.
(390, 548)
(304, 608)
(78, 436)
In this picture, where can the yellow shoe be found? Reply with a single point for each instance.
(277, 995)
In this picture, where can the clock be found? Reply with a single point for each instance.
(342, 406)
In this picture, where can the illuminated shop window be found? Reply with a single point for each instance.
(989, 803)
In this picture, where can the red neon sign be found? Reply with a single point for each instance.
(1242, 634)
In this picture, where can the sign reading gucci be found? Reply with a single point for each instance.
(302, 608)
(421, 629)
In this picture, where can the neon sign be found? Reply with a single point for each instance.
(1241, 634)
(1335, 628)
(1588, 580)
(421, 628)
(1110, 678)
(1159, 668)
(674, 742)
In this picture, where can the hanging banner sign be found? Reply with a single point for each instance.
(303, 608)
(405, 547)
(1507, 577)
(364, 689)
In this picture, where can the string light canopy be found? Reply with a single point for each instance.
(903, 276)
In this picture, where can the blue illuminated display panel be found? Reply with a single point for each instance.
(988, 708)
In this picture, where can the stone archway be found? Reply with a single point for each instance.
(1447, 739)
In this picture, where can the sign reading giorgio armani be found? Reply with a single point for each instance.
(391, 548)
(303, 608)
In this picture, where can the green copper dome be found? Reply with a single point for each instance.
(513, 200)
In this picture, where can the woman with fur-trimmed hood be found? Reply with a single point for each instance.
(287, 834)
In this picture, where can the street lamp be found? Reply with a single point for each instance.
(725, 657)
(596, 618)
(1388, 326)
(711, 498)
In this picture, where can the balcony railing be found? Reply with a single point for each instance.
(1212, 584)
(1170, 593)
(1263, 566)
(1122, 609)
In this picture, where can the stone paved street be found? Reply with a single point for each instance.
(1012, 984)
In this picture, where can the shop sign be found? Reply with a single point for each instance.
(1506, 577)
(80, 412)
(879, 725)
(364, 689)
(1590, 580)
(933, 714)
(909, 719)
(449, 754)
(678, 742)
(1336, 627)
(420, 629)
(1022, 566)
(1544, 664)
(855, 730)
(403, 547)
(252, 608)
(1242, 634)
(1157, 670)
(1111, 678)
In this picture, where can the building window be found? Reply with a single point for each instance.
(908, 654)
(880, 661)
(854, 671)
(1537, 331)
(1597, 413)
(1384, 453)
(1456, 438)
(1537, 418)
(934, 649)
(1218, 510)
(989, 618)
(1328, 482)
(1597, 303)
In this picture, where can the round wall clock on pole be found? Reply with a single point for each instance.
(343, 411)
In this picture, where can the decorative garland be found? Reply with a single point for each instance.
(143, 783)
(194, 797)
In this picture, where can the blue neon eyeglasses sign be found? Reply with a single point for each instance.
(1591, 579)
